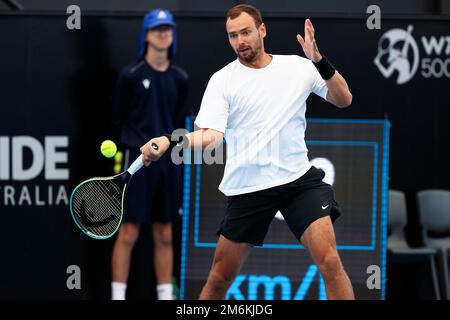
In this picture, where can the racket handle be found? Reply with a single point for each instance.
(138, 163)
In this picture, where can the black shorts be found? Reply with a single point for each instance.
(154, 192)
(301, 202)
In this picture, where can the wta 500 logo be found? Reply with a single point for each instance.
(399, 55)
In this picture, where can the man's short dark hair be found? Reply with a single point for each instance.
(236, 11)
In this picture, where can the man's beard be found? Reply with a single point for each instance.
(251, 56)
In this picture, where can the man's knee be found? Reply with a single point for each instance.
(330, 265)
(220, 279)
(129, 233)
(162, 234)
(223, 273)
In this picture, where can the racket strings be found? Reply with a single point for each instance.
(97, 206)
(103, 211)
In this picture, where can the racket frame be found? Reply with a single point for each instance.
(124, 190)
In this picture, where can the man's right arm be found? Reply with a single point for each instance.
(202, 138)
(198, 139)
(213, 113)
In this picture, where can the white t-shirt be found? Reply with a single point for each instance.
(262, 114)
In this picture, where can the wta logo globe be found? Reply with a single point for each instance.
(398, 54)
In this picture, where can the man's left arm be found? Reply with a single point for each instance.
(338, 91)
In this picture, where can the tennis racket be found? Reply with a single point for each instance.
(97, 204)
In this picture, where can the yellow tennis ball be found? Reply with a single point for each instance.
(118, 157)
(108, 148)
(117, 168)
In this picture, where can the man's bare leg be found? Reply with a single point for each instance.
(228, 260)
(320, 240)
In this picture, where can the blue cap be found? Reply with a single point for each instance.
(153, 19)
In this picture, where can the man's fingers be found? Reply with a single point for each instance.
(301, 41)
(310, 26)
(306, 31)
(310, 33)
(315, 45)
(152, 150)
(149, 154)
(146, 159)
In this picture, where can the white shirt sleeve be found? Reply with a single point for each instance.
(214, 108)
(319, 85)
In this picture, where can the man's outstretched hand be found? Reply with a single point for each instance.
(309, 44)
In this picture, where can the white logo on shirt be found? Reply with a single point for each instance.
(146, 83)
(324, 207)
(162, 15)
(279, 216)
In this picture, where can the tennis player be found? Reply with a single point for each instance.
(261, 98)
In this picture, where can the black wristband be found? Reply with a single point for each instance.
(173, 143)
(325, 68)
